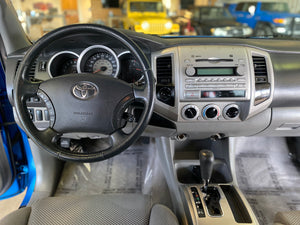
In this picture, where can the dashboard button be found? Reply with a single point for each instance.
(190, 71)
(192, 94)
(189, 80)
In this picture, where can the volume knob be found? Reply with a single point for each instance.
(190, 71)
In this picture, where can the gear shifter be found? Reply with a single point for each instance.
(206, 164)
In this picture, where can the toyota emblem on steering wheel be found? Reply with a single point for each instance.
(84, 90)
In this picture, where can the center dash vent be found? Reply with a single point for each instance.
(164, 70)
(262, 85)
(260, 69)
(165, 91)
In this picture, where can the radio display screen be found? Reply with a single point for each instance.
(213, 71)
(223, 94)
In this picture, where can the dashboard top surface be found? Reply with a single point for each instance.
(243, 91)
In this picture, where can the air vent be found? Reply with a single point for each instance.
(262, 85)
(32, 70)
(165, 91)
(260, 69)
(164, 70)
(17, 66)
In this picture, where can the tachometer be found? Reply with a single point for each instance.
(136, 71)
(99, 59)
(62, 63)
(69, 66)
(131, 70)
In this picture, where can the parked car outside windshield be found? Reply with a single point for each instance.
(155, 17)
(217, 21)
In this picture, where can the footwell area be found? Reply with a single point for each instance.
(136, 170)
(266, 175)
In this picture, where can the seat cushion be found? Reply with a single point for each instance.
(88, 210)
(287, 218)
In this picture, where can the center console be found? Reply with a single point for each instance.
(204, 192)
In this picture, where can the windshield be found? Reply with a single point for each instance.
(165, 18)
(212, 13)
(146, 7)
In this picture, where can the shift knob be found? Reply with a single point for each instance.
(206, 164)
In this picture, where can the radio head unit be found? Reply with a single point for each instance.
(212, 72)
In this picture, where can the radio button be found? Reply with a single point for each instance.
(191, 94)
(189, 80)
(240, 71)
(190, 71)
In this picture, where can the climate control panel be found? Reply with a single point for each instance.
(216, 112)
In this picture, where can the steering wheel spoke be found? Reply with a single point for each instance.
(140, 94)
(29, 89)
(49, 135)
(118, 137)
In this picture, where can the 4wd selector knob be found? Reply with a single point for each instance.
(190, 112)
(211, 112)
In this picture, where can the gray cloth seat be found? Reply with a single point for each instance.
(98, 209)
(287, 218)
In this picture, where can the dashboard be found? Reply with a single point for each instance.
(203, 87)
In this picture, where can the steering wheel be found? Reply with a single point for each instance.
(83, 103)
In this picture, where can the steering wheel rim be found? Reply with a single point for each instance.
(47, 140)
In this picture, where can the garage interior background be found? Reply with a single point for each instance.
(41, 16)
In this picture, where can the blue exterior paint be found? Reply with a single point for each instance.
(23, 161)
(261, 16)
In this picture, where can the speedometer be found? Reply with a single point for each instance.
(98, 59)
(101, 63)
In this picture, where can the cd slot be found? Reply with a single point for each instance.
(214, 60)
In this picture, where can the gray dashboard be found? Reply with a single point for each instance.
(208, 87)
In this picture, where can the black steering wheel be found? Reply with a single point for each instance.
(84, 102)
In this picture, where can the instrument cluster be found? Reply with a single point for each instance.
(99, 60)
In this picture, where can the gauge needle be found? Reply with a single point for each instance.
(103, 68)
(97, 71)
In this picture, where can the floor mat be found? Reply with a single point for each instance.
(267, 177)
(136, 170)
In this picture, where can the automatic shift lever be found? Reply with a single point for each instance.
(206, 164)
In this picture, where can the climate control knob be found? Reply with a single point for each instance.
(211, 112)
(190, 71)
(231, 111)
(190, 112)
